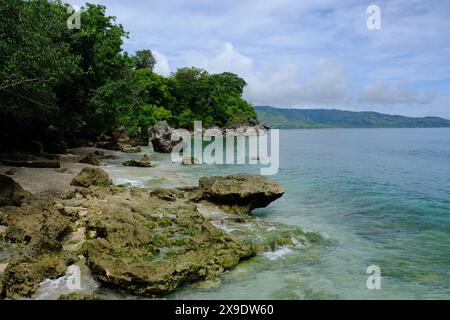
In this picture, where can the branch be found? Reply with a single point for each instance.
(19, 83)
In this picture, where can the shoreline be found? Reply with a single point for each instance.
(100, 231)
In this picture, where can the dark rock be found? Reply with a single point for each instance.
(11, 193)
(162, 137)
(164, 194)
(248, 192)
(106, 142)
(37, 147)
(99, 153)
(91, 159)
(108, 145)
(122, 137)
(54, 140)
(12, 171)
(91, 177)
(143, 163)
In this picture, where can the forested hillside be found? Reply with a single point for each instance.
(324, 118)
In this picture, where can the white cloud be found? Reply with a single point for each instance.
(277, 84)
(278, 47)
(162, 66)
(383, 93)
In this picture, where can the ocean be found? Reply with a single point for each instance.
(381, 196)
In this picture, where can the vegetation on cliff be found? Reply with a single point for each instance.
(81, 80)
(145, 242)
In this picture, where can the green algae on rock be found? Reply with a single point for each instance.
(91, 177)
(145, 242)
(91, 159)
(156, 244)
(143, 163)
(11, 193)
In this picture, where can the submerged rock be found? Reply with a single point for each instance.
(162, 137)
(91, 177)
(11, 193)
(91, 159)
(143, 163)
(241, 193)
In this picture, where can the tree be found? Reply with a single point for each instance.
(34, 58)
(138, 101)
(82, 81)
(144, 60)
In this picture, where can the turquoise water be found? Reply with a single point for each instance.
(381, 195)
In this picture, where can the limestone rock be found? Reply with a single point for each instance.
(11, 193)
(91, 159)
(91, 177)
(248, 192)
(162, 137)
(143, 163)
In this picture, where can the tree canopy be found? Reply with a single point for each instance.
(82, 80)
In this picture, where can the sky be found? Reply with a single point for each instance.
(304, 53)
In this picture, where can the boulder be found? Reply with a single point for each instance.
(153, 252)
(162, 137)
(104, 141)
(247, 192)
(54, 140)
(91, 159)
(11, 193)
(143, 163)
(21, 279)
(91, 177)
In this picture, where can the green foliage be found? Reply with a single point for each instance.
(322, 118)
(34, 58)
(81, 80)
(214, 99)
(144, 60)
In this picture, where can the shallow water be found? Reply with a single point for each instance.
(383, 196)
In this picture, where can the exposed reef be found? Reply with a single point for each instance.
(145, 242)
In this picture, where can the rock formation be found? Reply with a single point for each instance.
(11, 193)
(91, 177)
(243, 192)
(162, 137)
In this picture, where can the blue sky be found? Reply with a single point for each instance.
(304, 53)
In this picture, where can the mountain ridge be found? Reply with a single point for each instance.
(284, 118)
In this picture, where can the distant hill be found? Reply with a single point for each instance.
(324, 118)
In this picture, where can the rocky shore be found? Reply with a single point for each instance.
(146, 242)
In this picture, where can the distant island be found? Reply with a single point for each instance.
(325, 118)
